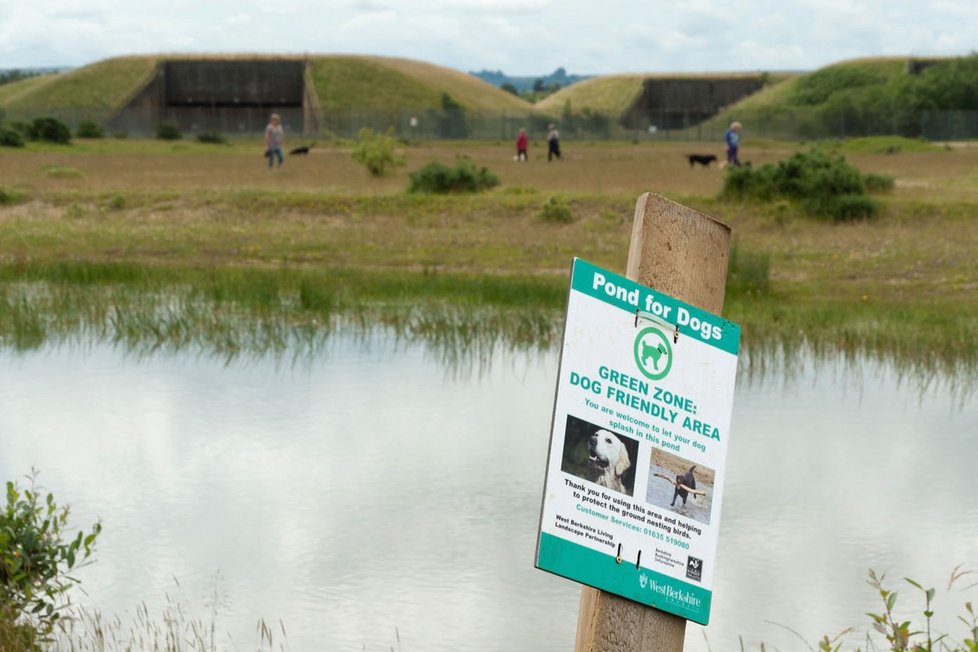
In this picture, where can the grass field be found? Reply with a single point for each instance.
(148, 217)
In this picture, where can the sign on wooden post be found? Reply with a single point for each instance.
(639, 438)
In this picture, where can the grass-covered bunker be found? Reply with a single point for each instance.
(682, 102)
(221, 95)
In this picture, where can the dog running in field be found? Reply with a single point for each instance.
(702, 159)
(301, 150)
(686, 479)
(608, 460)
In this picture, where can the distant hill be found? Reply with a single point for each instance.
(341, 93)
(338, 84)
(667, 101)
(558, 77)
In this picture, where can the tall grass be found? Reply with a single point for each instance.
(174, 628)
(462, 319)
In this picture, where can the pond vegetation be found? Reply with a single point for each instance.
(212, 253)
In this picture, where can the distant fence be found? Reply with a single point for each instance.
(783, 124)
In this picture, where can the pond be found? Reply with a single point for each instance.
(372, 497)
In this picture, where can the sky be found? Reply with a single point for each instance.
(519, 37)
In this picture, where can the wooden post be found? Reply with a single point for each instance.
(683, 253)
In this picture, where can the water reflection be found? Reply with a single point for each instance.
(367, 489)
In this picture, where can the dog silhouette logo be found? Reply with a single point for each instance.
(653, 353)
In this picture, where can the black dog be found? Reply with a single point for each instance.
(684, 479)
(702, 159)
(301, 150)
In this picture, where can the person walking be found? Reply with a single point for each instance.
(274, 140)
(553, 143)
(732, 136)
(522, 143)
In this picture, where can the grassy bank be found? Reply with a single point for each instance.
(141, 232)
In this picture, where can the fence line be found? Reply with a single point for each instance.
(789, 123)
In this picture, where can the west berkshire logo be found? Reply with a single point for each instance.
(653, 353)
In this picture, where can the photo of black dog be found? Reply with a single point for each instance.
(298, 151)
(702, 159)
(677, 484)
(684, 480)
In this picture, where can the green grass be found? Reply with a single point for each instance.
(341, 83)
(880, 145)
(610, 95)
(61, 172)
(94, 91)
(14, 90)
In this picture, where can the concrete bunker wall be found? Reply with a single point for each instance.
(228, 96)
(682, 103)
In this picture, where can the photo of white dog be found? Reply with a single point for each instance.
(598, 455)
(608, 459)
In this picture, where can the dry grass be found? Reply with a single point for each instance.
(194, 204)
(902, 284)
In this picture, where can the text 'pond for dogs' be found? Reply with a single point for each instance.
(638, 444)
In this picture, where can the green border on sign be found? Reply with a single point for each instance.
(582, 280)
(602, 571)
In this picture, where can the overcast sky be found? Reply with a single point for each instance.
(520, 37)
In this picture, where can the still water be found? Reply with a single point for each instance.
(372, 498)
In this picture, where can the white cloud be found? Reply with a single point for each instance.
(519, 36)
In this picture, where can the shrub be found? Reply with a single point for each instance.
(841, 208)
(167, 131)
(555, 209)
(10, 137)
(8, 197)
(464, 176)
(22, 127)
(113, 203)
(34, 559)
(377, 152)
(822, 185)
(89, 129)
(211, 137)
(49, 130)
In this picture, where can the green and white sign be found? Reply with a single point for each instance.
(638, 446)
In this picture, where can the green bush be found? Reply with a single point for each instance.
(35, 559)
(377, 152)
(89, 129)
(820, 184)
(49, 130)
(555, 209)
(22, 127)
(464, 176)
(10, 137)
(8, 197)
(167, 131)
(211, 138)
